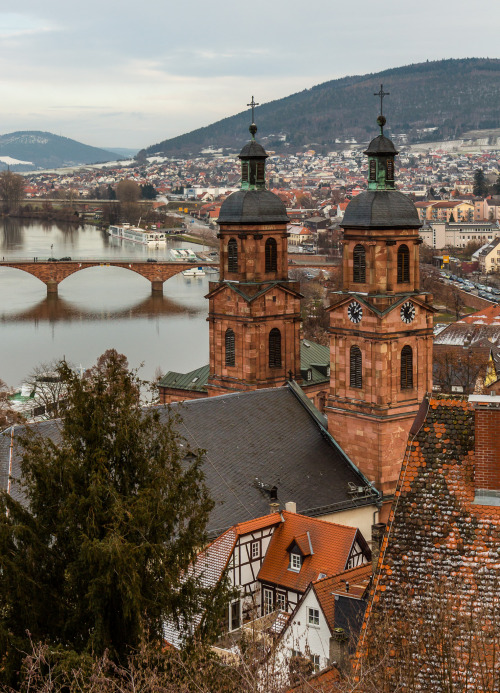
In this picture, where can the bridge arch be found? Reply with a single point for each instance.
(53, 273)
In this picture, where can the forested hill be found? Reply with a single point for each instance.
(452, 96)
(32, 149)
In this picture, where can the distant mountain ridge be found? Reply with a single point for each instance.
(428, 101)
(34, 149)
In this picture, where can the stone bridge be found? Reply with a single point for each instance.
(53, 273)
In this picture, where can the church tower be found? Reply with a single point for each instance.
(381, 325)
(254, 310)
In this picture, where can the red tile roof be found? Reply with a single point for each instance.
(331, 546)
(358, 579)
(258, 523)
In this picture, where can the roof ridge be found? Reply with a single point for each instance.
(317, 519)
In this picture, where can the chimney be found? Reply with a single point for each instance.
(291, 507)
(486, 449)
(378, 531)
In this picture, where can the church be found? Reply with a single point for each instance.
(372, 379)
(279, 418)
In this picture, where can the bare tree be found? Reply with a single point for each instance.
(11, 190)
(8, 415)
(49, 389)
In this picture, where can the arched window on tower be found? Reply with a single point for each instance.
(406, 368)
(403, 264)
(359, 264)
(275, 348)
(230, 348)
(271, 255)
(232, 255)
(356, 375)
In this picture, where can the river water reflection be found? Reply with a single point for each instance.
(97, 308)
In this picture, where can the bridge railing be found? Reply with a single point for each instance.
(108, 260)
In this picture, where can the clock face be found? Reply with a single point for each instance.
(407, 312)
(354, 311)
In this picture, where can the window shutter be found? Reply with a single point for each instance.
(230, 348)
(271, 253)
(232, 256)
(356, 376)
(403, 264)
(390, 169)
(359, 264)
(406, 368)
(275, 348)
(373, 169)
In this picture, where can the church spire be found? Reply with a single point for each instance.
(253, 159)
(381, 153)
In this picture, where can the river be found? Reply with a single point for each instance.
(98, 308)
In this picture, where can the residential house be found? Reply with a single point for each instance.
(489, 257)
(271, 562)
(326, 622)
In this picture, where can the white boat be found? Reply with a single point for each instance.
(194, 272)
(151, 237)
(183, 254)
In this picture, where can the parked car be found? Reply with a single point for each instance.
(151, 259)
(64, 259)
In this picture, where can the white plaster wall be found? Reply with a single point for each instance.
(362, 518)
(301, 636)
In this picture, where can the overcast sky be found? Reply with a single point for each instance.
(130, 74)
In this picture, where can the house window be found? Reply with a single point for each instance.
(271, 253)
(406, 368)
(275, 348)
(230, 348)
(281, 601)
(312, 616)
(315, 659)
(234, 615)
(403, 264)
(356, 376)
(255, 549)
(295, 562)
(268, 601)
(232, 255)
(359, 264)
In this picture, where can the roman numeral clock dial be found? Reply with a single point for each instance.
(354, 312)
(407, 312)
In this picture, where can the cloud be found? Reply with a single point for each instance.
(15, 25)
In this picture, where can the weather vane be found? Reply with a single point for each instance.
(253, 104)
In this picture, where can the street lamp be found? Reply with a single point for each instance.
(51, 249)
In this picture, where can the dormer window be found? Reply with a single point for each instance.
(295, 562)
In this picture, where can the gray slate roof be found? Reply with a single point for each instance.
(381, 209)
(381, 145)
(254, 441)
(253, 207)
(253, 150)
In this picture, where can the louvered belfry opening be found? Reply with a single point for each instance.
(230, 348)
(232, 256)
(271, 255)
(403, 264)
(373, 169)
(406, 368)
(275, 348)
(356, 378)
(359, 264)
(390, 169)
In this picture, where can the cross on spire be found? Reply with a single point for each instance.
(253, 104)
(380, 93)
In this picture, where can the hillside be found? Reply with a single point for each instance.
(34, 150)
(428, 101)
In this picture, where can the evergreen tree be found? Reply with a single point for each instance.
(148, 192)
(116, 511)
(496, 186)
(480, 186)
